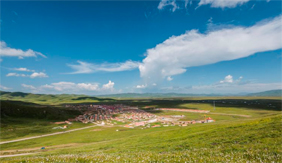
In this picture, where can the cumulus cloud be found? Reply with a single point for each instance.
(177, 53)
(62, 86)
(70, 87)
(4, 88)
(23, 69)
(16, 74)
(173, 5)
(223, 3)
(228, 85)
(33, 75)
(28, 86)
(109, 85)
(38, 75)
(6, 51)
(168, 3)
(88, 86)
(169, 78)
(84, 67)
(142, 86)
(227, 79)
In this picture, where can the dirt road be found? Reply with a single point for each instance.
(22, 154)
(40, 136)
(239, 115)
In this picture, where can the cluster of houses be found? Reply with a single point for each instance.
(136, 115)
(186, 123)
(103, 115)
(92, 116)
(94, 113)
(165, 121)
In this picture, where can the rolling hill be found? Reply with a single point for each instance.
(277, 92)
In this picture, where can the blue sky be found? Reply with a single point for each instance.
(95, 47)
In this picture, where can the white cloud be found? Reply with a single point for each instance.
(38, 75)
(228, 85)
(61, 86)
(28, 86)
(222, 3)
(142, 86)
(174, 4)
(109, 85)
(88, 86)
(17, 75)
(6, 51)
(227, 79)
(191, 49)
(84, 67)
(33, 75)
(4, 88)
(23, 69)
(165, 3)
(70, 87)
(188, 1)
(169, 78)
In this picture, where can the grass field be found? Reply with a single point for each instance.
(244, 131)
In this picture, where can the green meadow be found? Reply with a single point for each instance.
(245, 130)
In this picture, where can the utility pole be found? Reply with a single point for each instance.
(213, 105)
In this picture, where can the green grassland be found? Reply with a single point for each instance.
(255, 140)
(245, 130)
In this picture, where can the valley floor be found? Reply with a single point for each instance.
(231, 138)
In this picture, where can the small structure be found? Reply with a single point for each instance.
(127, 126)
(209, 119)
(139, 123)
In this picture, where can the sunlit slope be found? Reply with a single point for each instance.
(253, 140)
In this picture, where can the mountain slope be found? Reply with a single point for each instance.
(277, 92)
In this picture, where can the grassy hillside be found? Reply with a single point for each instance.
(245, 130)
(20, 119)
(255, 140)
(50, 99)
(27, 110)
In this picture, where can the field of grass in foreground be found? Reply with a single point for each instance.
(232, 138)
(256, 140)
(17, 128)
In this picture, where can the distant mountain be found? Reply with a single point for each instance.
(277, 92)
(157, 95)
(74, 98)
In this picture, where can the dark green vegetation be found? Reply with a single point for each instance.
(29, 110)
(71, 98)
(21, 119)
(245, 130)
(49, 99)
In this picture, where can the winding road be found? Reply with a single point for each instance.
(40, 136)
